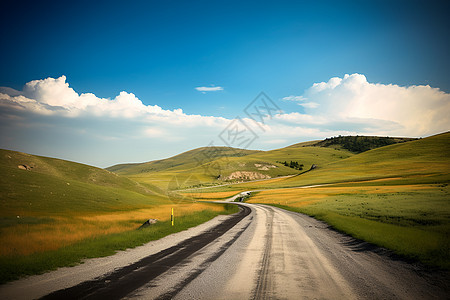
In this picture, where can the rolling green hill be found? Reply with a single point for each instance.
(31, 184)
(270, 162)
(426, 159)
(186, 160)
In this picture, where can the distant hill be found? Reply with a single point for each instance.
(272, 163)
(185, 160)
(359, 144)
(218, 165)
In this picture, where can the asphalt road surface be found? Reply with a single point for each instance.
(262, 252)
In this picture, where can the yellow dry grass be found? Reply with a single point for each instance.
(63, 231)
(217, 195)
(28, 239)
(304, 196)
(296, 197)
(161, 212)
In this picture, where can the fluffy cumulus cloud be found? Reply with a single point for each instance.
(354, 104)
(54, 97)
(48, 117)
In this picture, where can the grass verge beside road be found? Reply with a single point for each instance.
(15, 266)
(411, 220)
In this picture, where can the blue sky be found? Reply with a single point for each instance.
(161, 51)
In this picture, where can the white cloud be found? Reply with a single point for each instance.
(309, 104)
(154, 132)
(368, 108)
(54, 97)
(293, 98)
(204, 89)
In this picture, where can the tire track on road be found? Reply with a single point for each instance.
(263, 285)
(120, 283)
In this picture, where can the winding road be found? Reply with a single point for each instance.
(262, 252)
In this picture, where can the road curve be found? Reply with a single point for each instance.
(269, 253)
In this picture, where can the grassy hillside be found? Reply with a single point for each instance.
(56, 197)
(269, 162)
(420, 161)
(427, 159)
(53, 185)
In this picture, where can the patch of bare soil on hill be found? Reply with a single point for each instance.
(264, 167)
(246, 175)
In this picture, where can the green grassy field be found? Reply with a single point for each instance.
(412, 220)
